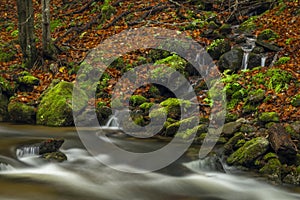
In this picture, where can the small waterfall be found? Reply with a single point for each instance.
(5, 167)
(27, 151)
(247, 48)
(113, 122)
(263, 60)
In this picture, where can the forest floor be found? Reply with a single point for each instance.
(79, 26)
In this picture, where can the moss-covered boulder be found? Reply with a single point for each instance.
(267, 34)
(27, 81)
(173, 107)
(6, 87)
(21, 112)
(54, 157)
(256, 96)
(249, 152)
(271, 167)
(136, 100)
(55, 108)
(266, 117)
(231, 60)
(231, 145)
(218, 47)
(188, 123)
(192, 132)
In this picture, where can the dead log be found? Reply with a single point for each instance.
(282, 144)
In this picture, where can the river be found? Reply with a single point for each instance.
(82, 177)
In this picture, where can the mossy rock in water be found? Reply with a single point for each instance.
(272, 169)
(193, 132)
(268, 117)
(20, 112)
(249, 152)
(55, 108)
(218, 47)
(184, 124)
(54, 157)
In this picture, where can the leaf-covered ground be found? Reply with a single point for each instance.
(79, 26)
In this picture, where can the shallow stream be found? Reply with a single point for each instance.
(83, 177)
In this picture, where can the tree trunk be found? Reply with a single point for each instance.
(26, 32)
(48, 47)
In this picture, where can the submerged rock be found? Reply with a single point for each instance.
(54, 156)
(49, 146)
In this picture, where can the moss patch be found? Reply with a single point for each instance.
(55, 108)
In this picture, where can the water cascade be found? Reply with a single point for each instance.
(27, 151)
(247, 48)
(5, 167)
(263, 60)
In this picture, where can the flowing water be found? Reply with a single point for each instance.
(26, 177)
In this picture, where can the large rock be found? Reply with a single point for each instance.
(230, 128)
(268, 46)
(249, 152)
(55, 108)
(49, 146)
(27, 81)
(282, 144)
(231, 60)
(21, 112)
(254, 60)
(218, 47)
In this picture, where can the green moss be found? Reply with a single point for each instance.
(296, 100)
(267, 34)
(173, 106)
(184, 124)
(272, 169)
(146, 106)
(269, 117)
(248, 25)
(218, 47)
(136, 100)
(55, 108)
(28, 80)
(230, 146)
(175, 62)
(247, 154)
(282, 60)
(20, 112)
(5, 86)
(274, 79)
(189, 133)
